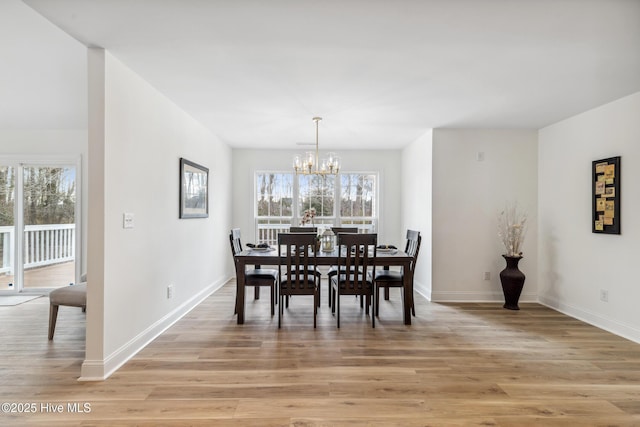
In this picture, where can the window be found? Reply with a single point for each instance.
(274, 204)
(282, 198)
(358, 200)
(316, 192)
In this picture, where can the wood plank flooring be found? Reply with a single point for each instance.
(457, 365)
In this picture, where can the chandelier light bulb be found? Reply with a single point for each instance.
(310, 164)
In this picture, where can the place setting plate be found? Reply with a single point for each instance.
(254, 248)
(261, 249)
(386, 250)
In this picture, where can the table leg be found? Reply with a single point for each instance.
(240, 291)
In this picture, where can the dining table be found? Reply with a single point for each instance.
(271, 256)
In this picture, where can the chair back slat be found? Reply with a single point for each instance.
(299, 262)
(337, 230)
(303, 229)
(356, 261)
(234, 240)
(413, 246)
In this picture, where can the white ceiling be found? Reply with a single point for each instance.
(43, 73)
(380, 73)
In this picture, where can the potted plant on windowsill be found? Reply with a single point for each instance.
(512, 228)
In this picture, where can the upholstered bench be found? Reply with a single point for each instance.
(73, 295)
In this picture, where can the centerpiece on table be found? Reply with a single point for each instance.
(308, 216)
(512, 228)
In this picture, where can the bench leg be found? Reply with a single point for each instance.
(53, 316)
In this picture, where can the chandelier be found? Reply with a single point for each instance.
(310, 164)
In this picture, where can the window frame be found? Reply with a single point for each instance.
(370, 223)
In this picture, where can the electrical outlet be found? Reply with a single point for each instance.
(487, 275)
(128, 220)
(604, 295)
(169, 291)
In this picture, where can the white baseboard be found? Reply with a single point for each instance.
(467, 296)
(610, 325)
(99, 370)
(473, 296)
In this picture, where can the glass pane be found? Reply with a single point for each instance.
(49, 232)
(358, 195)
(317, 192)
(274, 195)
(7, 238)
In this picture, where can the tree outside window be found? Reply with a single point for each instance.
(357, 195)
(346, 199)
(317, 192)
(274, 194)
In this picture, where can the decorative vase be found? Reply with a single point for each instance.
(512, 280)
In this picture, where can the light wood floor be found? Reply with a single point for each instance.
(457, 365)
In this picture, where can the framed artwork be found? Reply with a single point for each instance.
(606, 196)
(194, 190)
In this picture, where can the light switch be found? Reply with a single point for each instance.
(127, 220)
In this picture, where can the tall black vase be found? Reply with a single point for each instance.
(512, 280)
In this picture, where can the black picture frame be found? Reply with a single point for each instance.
(605, 190)
(194, 190)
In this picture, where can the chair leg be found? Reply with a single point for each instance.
(377, 304)
(280, 312)
(333, 301)
(373, 318)
(273, 300)
(367, 303)
(337, 296)
(386, 293)
(53, 316)
(413, 304)
(316, 301)
(256, 292)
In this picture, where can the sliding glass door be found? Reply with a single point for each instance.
(7, 227)
(48, 247)
(38, 226)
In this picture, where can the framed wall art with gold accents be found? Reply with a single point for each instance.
(606, 196)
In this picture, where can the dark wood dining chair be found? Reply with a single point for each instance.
(386, 278)
(356, 265)
(256, 276)
(313, 230)
(297, 269)
(333, 270)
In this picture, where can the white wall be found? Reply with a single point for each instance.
(574, 263)
(44, 144)
(416, 213)
(467, 196)
(386, 162)
(144, 136)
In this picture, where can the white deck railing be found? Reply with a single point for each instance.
(44, 245)
(268, 233)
